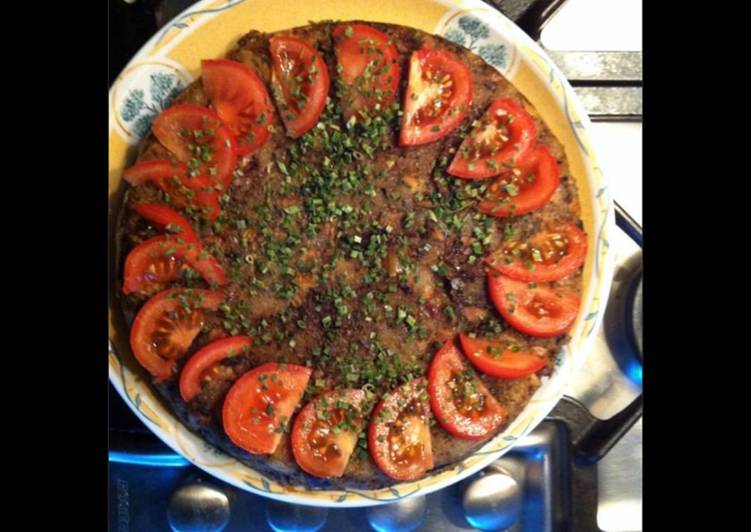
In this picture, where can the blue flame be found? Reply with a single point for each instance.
(634, 372)
(153, 460)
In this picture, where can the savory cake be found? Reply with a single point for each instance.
(349, 253)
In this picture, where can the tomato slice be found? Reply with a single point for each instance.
(197, 136)
(460, 401)
(167, 219)
(240, 99)
(182, 243)
(528, 187)
(550, 255)
(260, 404)
(399, 433)
(505, 134)
(300, 83)
(538, 311)
(148, 267)
(325, 432)
(200, 365)
(184, 191)
(369, 69)
(438, 96)
(166, 326)
(161, 259)
(498, 360)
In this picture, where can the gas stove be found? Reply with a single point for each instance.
(575, 472)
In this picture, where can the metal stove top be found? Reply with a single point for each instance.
(546, 482)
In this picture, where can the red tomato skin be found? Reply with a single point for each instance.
(205, 358)
(240, 104)
(445, 363)
(308, 117)
(380, 450)
(240, 398)
(415, 135)
(567, 265)
(344, 52)
(522, 320)
(510, 365)
(162, 174)
(161, 216)
(187, 118)
(161, 303)
(304, 422)
(522, 141)
(532, 197)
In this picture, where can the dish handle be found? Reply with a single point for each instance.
(530, 15)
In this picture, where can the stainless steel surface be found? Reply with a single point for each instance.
(198, 508)
(609, 380)
(620, 471)
(611, 103)
(536, 463)
(610, 377)
(619, 482)
(283, 517)
(523, 491)
(403, 516)
(492, 501)
(637, 318)
(598, 66)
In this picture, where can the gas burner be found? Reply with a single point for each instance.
(198, 506)
(403, 516)
(282, 517)
(494, 500)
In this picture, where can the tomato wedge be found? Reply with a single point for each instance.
(460, 401)
(182, 243)
(162, 259)
(184, 191)
(260, 404)
(300, 83)
(166, 326)
(167, 219)
(505, 134)
(550, 255)
(538, 311)
(528, 187)
(499, 360)
(200, 365)
(240, 99)
(438, 96)
(148, 267)
(198, 137)
(399, 433)
(325, 432)
(369, 69)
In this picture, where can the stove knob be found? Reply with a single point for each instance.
(284, 517)
(198, 507)
(403, 516)
(492, 501)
